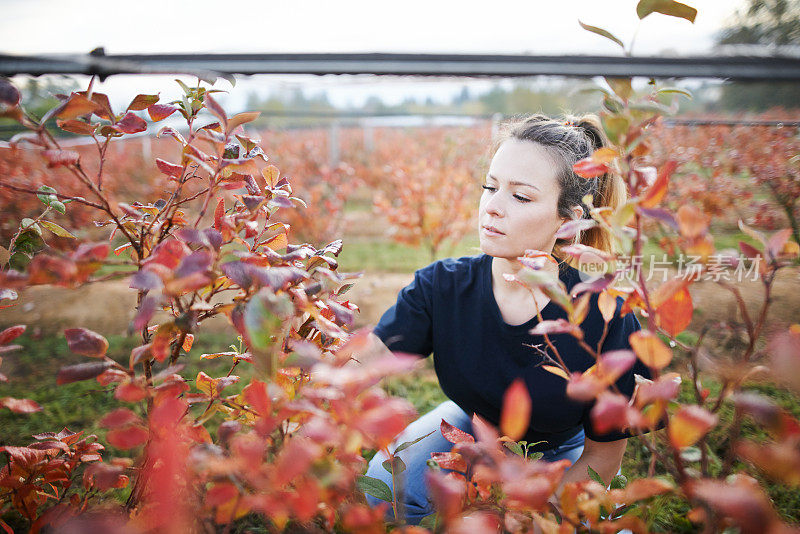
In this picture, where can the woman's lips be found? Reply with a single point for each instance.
(492, 231)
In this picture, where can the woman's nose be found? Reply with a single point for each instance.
(494, 205)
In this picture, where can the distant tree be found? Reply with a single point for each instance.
(767, 23)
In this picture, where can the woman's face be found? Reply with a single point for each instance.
(518, 206)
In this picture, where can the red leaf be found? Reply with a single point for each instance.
(739, 498)
(76, 106)
(127, 437)
(160, 112)
(86, 342)
(219, 213)
(20, 405)
(170, 169)
(516, 415)
(141, 102)
(58, 158)
(130, 123)
(256, 395)
(220, 494)
(589, 168)
(45, 269)
(784, 350)
(557, 326)
(450, 460)
(75, 126)
(82, 371)
(610, 412)
(447, 493)
(213, 106)
(104, 476)
(11, 333)
(455, 435)
(570, 228)
(119, 417)
(130, 392)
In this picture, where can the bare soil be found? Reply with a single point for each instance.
(109, 306)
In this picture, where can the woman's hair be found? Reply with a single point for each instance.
(568, 141)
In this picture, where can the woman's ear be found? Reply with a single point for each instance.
(578, 211)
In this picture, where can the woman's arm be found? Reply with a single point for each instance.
(605, 457)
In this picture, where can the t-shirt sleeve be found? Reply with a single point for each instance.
(407, 325)
(617, 339)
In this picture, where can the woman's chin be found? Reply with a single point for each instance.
(497, 252)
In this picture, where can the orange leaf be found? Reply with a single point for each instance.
(604, 155)
(675, 314)
(692, 222)
(76, 106)
(650, 349)
(690, 424)
(556, 371)
(656, 192)
(516, 414)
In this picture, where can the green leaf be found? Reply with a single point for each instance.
(595, 476)
(674, 90)
(56, 229)
(429, 521)
(601, 32)
(30, 224)
(46, 194)
(666, 7)
(621, 87)
(185, 88)
(535, 455)
(619, 482)
(406, 444)
(377, 488)
(514, 447)
(58, 206)
(615, 126)
(399, 465)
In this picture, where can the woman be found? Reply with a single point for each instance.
(477, 323)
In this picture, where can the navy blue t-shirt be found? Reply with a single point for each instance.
(450, 310)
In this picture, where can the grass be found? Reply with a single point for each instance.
(79, 406)
(385, 256)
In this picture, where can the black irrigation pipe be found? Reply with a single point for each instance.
(333, 116)
(742, 68)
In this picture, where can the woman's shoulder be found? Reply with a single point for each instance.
(445, 275)
(463, 265)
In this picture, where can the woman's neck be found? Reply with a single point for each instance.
(502, 266)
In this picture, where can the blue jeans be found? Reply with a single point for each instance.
(416, 503)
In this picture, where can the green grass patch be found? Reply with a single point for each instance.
(385, 255)
(32, 374)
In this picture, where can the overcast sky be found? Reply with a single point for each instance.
(464, 26)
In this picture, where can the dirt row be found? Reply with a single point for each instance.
(109, 306)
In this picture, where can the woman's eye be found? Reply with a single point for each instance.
(522, 199)
(489, 188)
